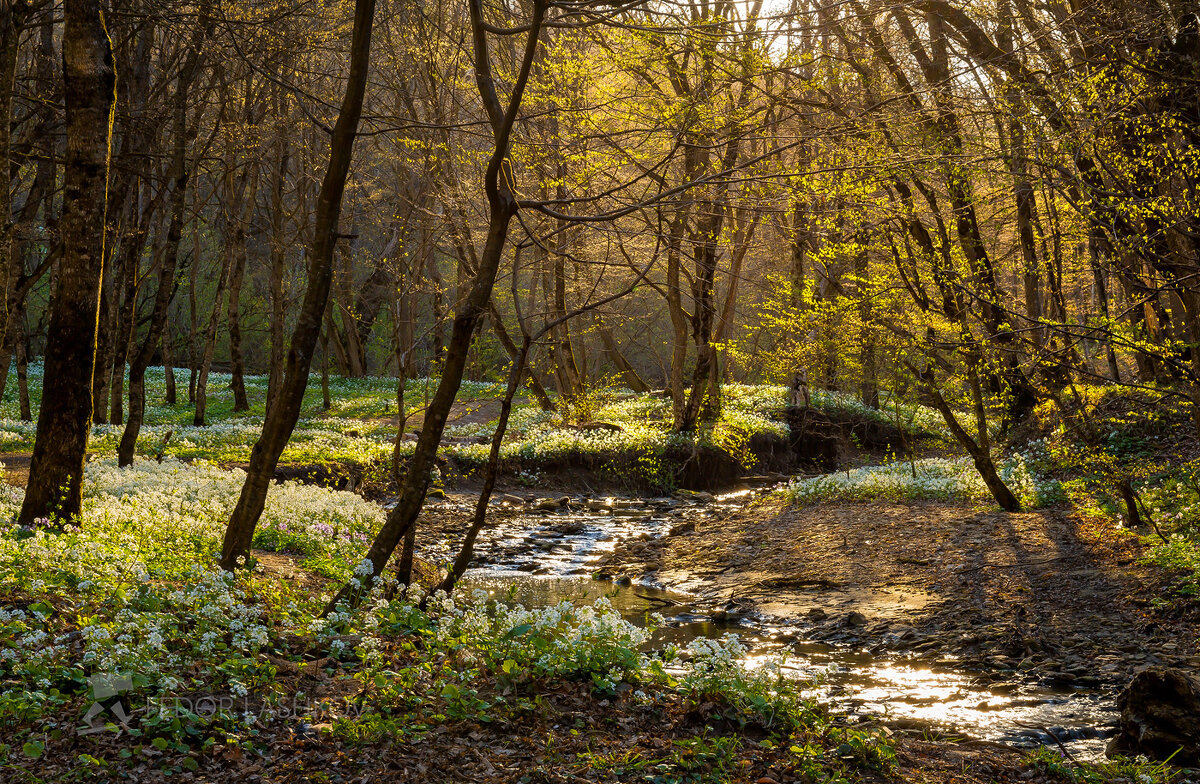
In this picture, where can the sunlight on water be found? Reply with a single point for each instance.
(565, 547)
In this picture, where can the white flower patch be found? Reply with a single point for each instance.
(939, 479)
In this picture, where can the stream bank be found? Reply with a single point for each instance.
(1012, 628)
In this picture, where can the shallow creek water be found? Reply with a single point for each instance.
(542, 558)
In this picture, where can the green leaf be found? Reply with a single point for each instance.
(33, 748)
(160, 744)
(518, 631)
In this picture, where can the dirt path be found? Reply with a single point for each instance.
(16, 468)
(1045, 596)
(463, 412)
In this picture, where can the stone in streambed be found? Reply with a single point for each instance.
(1160, 717)
(856, 619)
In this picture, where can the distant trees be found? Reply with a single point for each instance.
(995, 196)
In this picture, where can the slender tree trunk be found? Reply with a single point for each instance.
(125, 327)
(627, 371)
(979, 451)
(473, 306)
(106, 328)
(869, 386)
(467, 550)
(11, 263)
(276, 282)
(801, 246)
(210, 347)
(237, 364)
(168, 261)
(168, 358)
(535, 386)
(679, 333)
(193, 305)
(281, 420)
(326, 403)
(116, 412)
(55, 487)
(23, 373)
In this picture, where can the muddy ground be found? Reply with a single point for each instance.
(1047, 596)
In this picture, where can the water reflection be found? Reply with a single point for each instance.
(848, 680)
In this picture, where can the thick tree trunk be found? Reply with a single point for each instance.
(281, 420)
(55, 488)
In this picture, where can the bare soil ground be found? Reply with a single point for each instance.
(1049, 595)
(16, 468)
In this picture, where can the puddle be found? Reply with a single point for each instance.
(540, 559)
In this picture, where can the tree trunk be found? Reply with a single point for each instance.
(105, 344)
(237, 273)
(123, 335)
(869, 385)
(168, 358)
(116, 412)
(11, 263)
(326, 403)
(627, 371)
(276, 283)
(210, 347)
(679, 334)
(467, 550)
(193, 341)
(168, 261)
(22, 348)
(281, 420)
(473, 307)
(980, 453)
(55, 488)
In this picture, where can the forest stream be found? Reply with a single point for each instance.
(540, 557)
